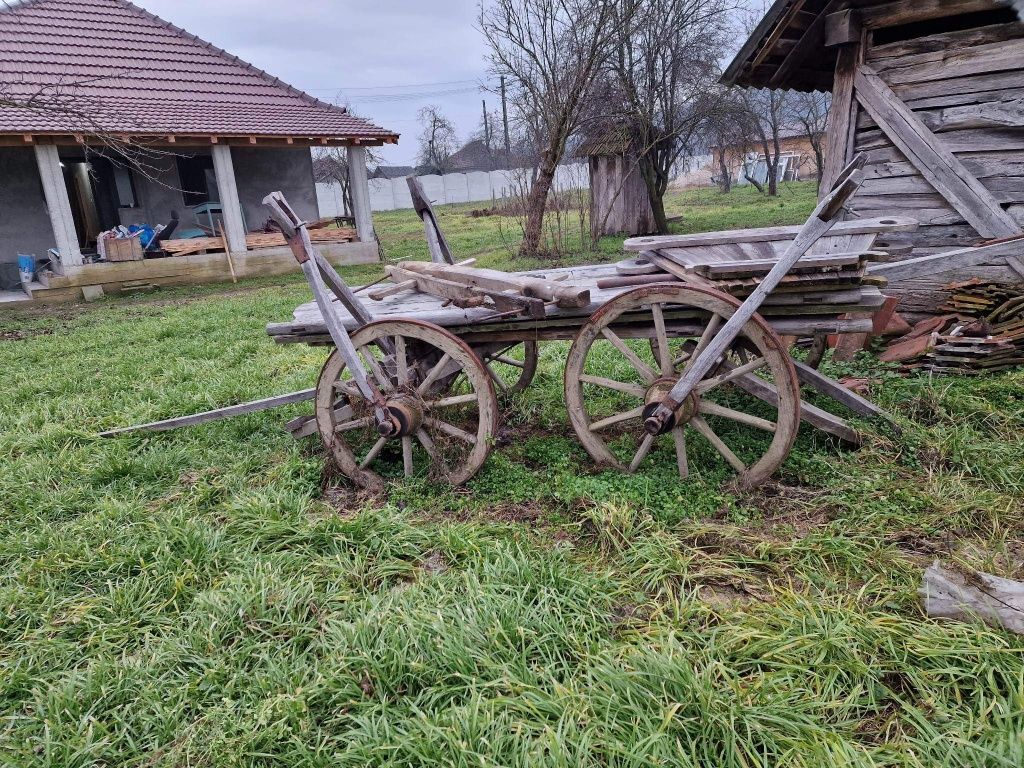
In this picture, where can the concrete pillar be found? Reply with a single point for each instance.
(58, 205)
(360, 194)
(234, 226)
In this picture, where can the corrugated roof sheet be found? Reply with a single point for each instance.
(108, 65)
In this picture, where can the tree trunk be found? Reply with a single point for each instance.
(655, 194)
(536, 203)
(723, 168)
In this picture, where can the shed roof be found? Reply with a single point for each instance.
(111, 66)
(787, 49)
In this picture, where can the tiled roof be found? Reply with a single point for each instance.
(108, 65)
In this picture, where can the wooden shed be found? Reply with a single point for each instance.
(932, 91)
(618, 196)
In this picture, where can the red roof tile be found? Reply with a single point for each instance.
(116, 67)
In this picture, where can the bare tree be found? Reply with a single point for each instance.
(552, 52)
(810, 112)
(665, 67)
(770, 113)
(438, 140)
(730, 134)
(330, 166)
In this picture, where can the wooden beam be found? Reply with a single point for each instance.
(216, 414)
(842, 27)
(898, 13)
(840, 117)
(935, 162)
(937, 263)
(807, 44)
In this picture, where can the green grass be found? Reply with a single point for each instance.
(213, 596)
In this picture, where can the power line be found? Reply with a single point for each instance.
(387, 87)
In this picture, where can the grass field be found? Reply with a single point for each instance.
(213, 597)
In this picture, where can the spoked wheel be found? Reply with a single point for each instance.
(633, 350)
(512, 367)
(438, 392)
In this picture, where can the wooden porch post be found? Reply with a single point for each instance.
(58, 205)
(234, 227)
(360, 187)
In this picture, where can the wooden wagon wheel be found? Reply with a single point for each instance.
(438, 392)
(513, 367)
(613, 380)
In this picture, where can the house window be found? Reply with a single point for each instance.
(198, 180)
(124, 186)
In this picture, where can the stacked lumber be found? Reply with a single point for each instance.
(831, 284)
(983, 333)
(253, 241)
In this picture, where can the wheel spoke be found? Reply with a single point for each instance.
(667, 368)
(407, 455)
(641, 453)
(709, 333)
(348, 426)
(641, 367)
(401, 362)
(708, 384)
(348, 388)
(619, 386)
(374, 452)
(451, 429)
(445, 402)
(436, 371)
(705, 429)
(498, 382)
(427, 443)
(383, 381)
(714, 409)
(618, 418)
(508, 361)
(679, 438)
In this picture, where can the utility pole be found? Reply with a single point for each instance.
(504, 119)
(487, 138)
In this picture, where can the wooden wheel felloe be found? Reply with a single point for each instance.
(633, 350)
(438, 392)
(512, 366)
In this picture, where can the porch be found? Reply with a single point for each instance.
(60, 196)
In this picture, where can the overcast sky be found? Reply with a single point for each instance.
(385, 58)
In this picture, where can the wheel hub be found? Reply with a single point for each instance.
(656, 395)
(406, 417)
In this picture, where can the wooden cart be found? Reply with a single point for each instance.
(411, 387)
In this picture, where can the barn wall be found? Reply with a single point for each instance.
(618, 197)
(967, 88)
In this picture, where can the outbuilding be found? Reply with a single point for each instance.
(933, 92)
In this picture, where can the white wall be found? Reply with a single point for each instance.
(477, 186)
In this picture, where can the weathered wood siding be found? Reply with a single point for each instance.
(967, 88)
(618, 197)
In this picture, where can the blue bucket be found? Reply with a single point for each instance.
(26, 267)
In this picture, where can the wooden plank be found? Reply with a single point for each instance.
(841, 27)
(902, 12)
(840, 116)
(766, 234)
(946, 41)
(217, 414)
(809, 42)
(936, 163)
(1003, 56)
(832, 388)
(945, 262)
(565, 296)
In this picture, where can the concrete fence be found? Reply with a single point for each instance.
(477, 186)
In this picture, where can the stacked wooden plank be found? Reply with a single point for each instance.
(984, 332)
(254, 241)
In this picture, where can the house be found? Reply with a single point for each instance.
(619, 203)
(931, 92)
(796, 159)
(135, 120)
